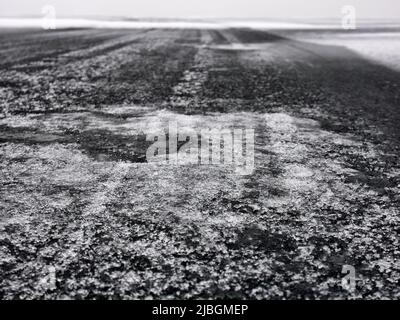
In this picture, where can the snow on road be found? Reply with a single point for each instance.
(84, 215)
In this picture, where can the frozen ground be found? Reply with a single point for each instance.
(382, 47)
(83, 215)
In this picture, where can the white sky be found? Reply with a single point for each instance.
(280, 9)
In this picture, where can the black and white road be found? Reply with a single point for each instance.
(83, 215)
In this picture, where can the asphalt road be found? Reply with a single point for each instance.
(84, 215)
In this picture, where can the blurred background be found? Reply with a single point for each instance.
(277, 9)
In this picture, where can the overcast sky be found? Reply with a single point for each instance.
(280, 9)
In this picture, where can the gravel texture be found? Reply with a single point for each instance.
(83, 215)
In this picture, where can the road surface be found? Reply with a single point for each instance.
(84, 215)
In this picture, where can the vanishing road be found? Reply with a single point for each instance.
(83, 214)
